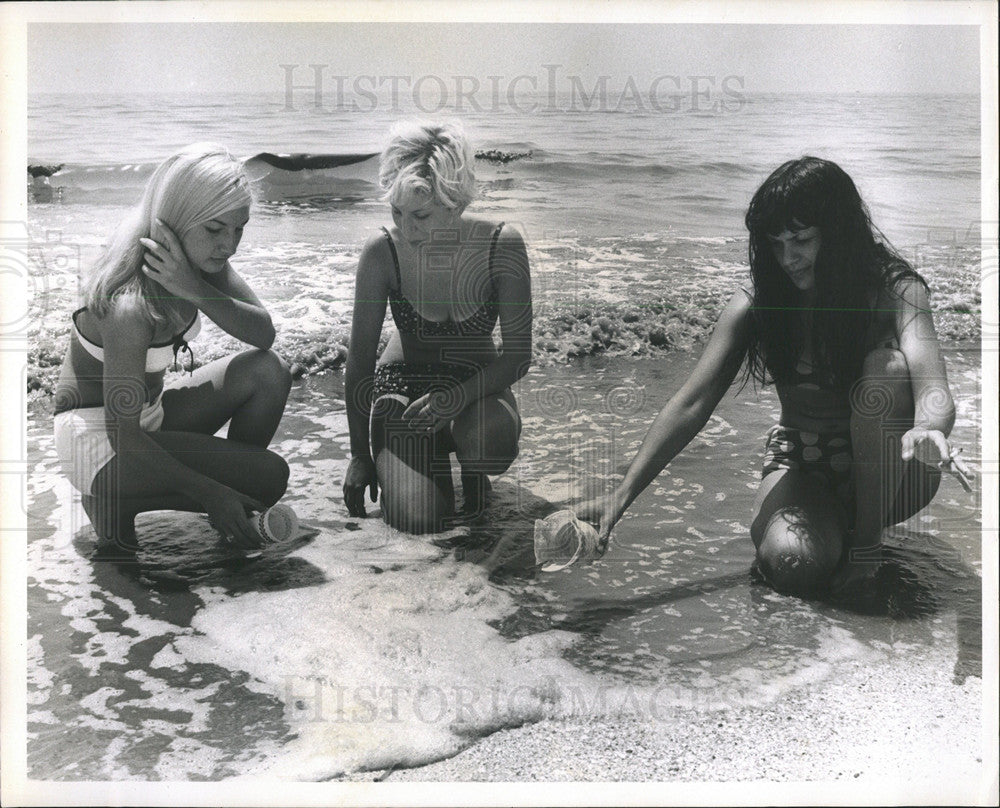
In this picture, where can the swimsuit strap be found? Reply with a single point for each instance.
(395, 260)
(493, 248)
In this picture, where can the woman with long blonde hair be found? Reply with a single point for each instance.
(128, 443)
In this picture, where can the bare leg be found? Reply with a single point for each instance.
(249, 390)
(414, 472)
(486, 435)
(121, 490)
(799, 531)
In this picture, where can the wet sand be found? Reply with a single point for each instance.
(906, 730)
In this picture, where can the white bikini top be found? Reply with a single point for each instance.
(160, 355)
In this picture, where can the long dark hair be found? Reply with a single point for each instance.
(855, 263)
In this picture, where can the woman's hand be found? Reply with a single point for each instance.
(360, 475)
(431, 412)
(603, 511)
(227, 511)
(168, 265)
(931, 447)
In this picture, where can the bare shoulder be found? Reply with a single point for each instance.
(510, 237)
(734, 319)
(484, 232)
(740, 303)
(125, 320)
(507, 245)
(375, 263)
(908, 291)
(900, 305)
(376, 247)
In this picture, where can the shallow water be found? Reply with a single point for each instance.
(363, 648)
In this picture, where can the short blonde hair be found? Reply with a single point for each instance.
(428, 158)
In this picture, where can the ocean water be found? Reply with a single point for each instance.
(362, 648)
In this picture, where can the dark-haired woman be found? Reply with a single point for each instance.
(840, 323)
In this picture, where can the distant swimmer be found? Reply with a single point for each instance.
(310, 173)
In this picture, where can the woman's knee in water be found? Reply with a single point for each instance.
(411, 501)
(795, 556)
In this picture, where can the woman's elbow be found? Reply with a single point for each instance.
(267, 336)
(695, 410)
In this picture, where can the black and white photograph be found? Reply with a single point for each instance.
(502, 404)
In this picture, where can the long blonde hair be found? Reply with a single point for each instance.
(197, 183)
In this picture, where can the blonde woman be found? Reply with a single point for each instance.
(126, 442)
(441, 385)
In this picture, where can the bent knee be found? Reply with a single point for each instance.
(423, 513)
(793, 573)
(270, 370)
(492, 457)
(489, 443)
(797, 559)
(271, 477)
(410, 501)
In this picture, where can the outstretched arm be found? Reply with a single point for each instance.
(682, 417)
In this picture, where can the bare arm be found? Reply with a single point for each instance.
(512, 277)
(230, 303)
(126, 338)
(933, 406)
(684, 414)
(370, 294)
(224, 297)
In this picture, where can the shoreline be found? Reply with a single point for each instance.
(928, 741)
(827, 704)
